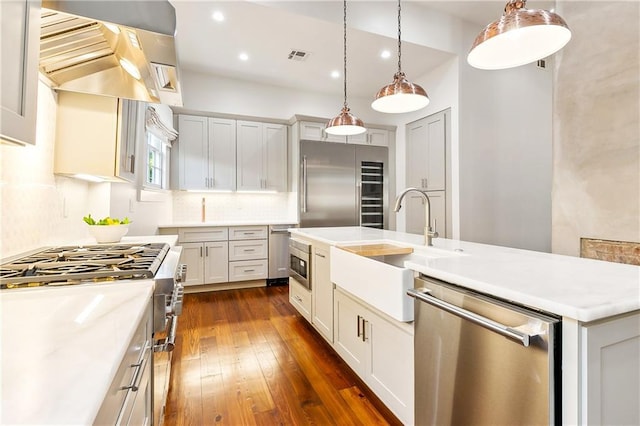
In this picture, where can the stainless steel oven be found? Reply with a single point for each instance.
(299, 262)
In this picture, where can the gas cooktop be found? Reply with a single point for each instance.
(68, 265)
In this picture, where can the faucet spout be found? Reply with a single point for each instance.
(429, 233)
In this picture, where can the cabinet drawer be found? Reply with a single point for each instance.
(248, 250)
(138, 350)
(245, 270)
(300, 298)
(247, 232)
(194, 235)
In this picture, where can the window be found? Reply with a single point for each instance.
(159, 135)
(156, 161)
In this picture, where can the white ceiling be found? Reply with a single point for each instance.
(268, 32)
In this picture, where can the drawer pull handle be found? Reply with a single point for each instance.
(249, 250)
(137, 375)
(320, 255)
(249, 270)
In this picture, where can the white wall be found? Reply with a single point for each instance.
(38, 208)
(596, 185)
(505, 157)
(215, 94)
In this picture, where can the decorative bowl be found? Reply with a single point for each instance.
(108, 233)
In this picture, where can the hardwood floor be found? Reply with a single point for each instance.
(246, 357)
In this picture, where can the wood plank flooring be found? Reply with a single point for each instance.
(246, 357)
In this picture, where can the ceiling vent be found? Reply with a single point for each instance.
(298, 55)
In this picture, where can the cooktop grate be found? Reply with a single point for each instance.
(68, 265)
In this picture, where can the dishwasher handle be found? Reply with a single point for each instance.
(424, 295)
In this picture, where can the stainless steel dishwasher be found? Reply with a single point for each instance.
(482, 361)
(278, 254)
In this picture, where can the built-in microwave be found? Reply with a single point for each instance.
(299, 264)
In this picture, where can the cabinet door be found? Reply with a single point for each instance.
(322, 289)
(310, 131)
(390, 370)
(416, 213)
(611, 373)
(375, 137)
(426, 153)
(250, 156)
(378, 137)
(349, 341)
(193, 152)
(193, 257)
(275, 157)
(129, 126)
(222, 153)
(216, 262)
(20, 45)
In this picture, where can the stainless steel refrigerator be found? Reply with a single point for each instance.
(343, 185)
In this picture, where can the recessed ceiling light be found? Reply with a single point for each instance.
(243, 57)
(335, 74)
(217, 16)
(385, 54)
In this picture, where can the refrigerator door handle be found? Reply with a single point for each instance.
(359, 202)
(304, 184)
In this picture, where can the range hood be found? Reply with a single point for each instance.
(123, 49)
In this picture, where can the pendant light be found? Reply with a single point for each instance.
(345, 123)
(519, 37)
(401, 95)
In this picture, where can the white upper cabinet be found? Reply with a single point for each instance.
(96, 136)
(426, 153)
(261, 156)
(193, 152)
(206, 153)
(374, 137)
(20, 44)
(312, 131)
(222, 153)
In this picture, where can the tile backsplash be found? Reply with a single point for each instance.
(187, 206)
(38, 208)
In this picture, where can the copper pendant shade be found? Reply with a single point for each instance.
(519, 37)
(401, 95)
(345, 123)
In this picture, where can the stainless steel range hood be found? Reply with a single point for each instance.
(123, 49)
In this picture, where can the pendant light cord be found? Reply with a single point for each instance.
(345, 53)
(399, 37)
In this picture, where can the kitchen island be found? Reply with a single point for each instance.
(63, 346)
(598, 303)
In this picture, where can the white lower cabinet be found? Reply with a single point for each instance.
(300, 298)
(207, 263)
(128, 399)
(322, 291)
(379, 350)
(610, 372)
(218, 254)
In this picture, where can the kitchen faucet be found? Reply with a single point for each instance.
(429, 233)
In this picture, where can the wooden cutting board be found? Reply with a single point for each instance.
(369, 250)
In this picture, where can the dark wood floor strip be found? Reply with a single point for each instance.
(246, 357)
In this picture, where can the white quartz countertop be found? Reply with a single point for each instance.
(227, 223)
(582, 289)
(61, 348)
